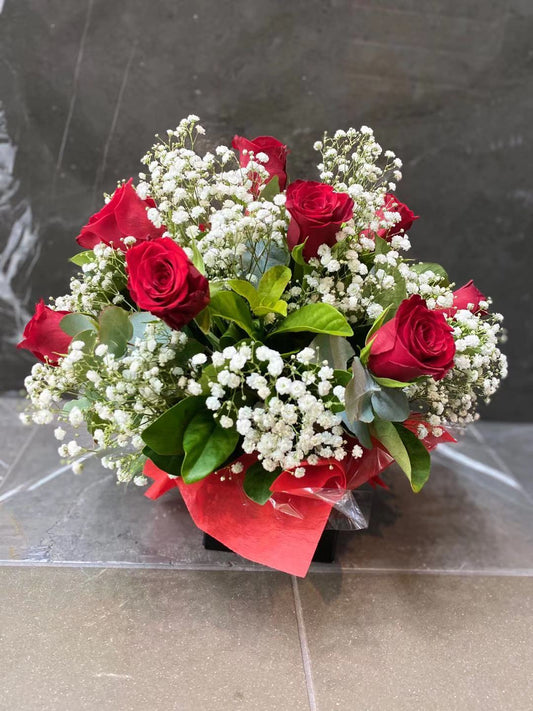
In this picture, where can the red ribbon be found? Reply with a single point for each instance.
(284, 533)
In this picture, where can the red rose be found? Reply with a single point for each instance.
(123, 216)
(467, 295)
(274, 149)
(163, 281)
(407, 217)
(317, 213)
(415, 342)
(43, 335)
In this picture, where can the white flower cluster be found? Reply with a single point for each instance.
(208, 201)
(116, 397)
(101, 282)
(282, 409)
(479, 365)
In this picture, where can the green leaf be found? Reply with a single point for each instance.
(197, 258)
(357, 396)
(82, 402)
(440, 273)
(245, 289)
(389, 437)
(390, 383)
(115, 329)
(280, 307)
(257, 483)
(419, 457)
(316, 318)
(273, 284)
(360, 429)
(378, 323)
(394, 295)
(297, 254)
(271, 189)
(89, 340)
(139, 320)
(171, 464)
(336, 350)
(232, 307)
(165, 435)
(392, 405)
(382, 246)
(72, 324)
(83, 258)
(203, 319)
(207, 445)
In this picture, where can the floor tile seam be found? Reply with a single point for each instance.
(229, 568)
(304, 645)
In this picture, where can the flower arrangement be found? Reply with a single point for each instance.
(263, 345)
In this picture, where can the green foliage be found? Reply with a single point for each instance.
(197, 258)
(72, 324)
(171, 464)
(440, 273)
(390, 383)
(257, 483)
(165, 435)
(358, 394)
(316, 318)
(419, 457)
(266, 298)
(115, 329)
(360, 429)
(392, 405)
(207, 446)
(271, 189)
(382, 246)
(83, 258)
(232, 307)
(139, 320)
(388, 435)
(336, 350)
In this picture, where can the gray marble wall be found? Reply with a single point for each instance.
(448, 84)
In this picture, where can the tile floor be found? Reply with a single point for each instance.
(109, 601)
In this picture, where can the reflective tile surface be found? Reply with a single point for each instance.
(109, 600)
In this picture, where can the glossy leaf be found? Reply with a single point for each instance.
(390, 383)
(207, 446)
(232, 307)
(83, 258)
(419, 457)
(165, 435)
(171, 464)
(388, 435)
(316, 318)
(257, 483)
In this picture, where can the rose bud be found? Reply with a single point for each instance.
(392, 204)
(163, 281)
(317, 214)
(277, 158)
(417, 341)
(43, 335)
(123, 216)
(468, 297)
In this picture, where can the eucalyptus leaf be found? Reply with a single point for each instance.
(165, 435)
(72, 324)
(336, 350)
(392, 405)
(316, 318)
(139, 320)
(357, 396)
(359, 429)
(419, 457)
(257, 483)
(115, 329)
(207, 445)
(263, 254)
